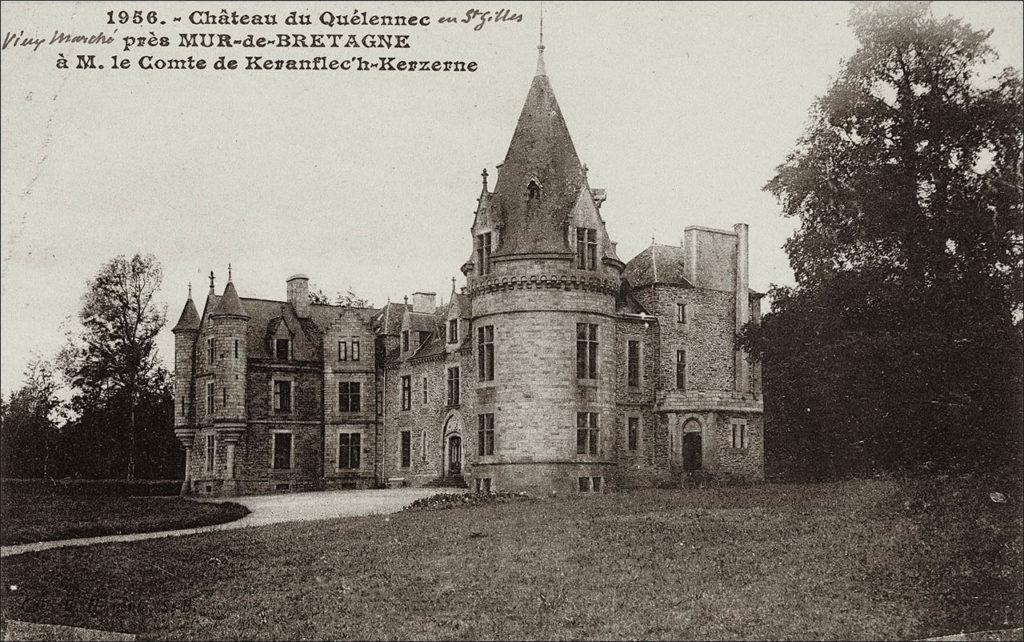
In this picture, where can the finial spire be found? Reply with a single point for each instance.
(484, 175)
(585, 170)
(229, 273)
(540, 47)
(211, 282)
(189, 289)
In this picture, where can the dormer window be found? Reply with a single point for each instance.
(483, 253)
(424, 336)
(586, 248)
(405, 340)
(533, 190)
(453, 330)
(282, 349)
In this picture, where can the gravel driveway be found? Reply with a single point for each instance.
(267, 509)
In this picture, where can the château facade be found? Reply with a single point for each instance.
(556, 367)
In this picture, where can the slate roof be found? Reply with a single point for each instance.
(542, 150)
(665, 264)
(307, 333)
(229, 304)
(189, 319)
(423, 321)
(388, 319)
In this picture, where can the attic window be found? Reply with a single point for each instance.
(533, 190)
(282, 348)
(453, 330)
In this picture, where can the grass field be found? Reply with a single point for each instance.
(26, 517)
(861, 559)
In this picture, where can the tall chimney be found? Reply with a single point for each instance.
(423, 302)
(298, 295)
(742, 303)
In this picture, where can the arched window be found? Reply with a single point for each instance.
(533, 190)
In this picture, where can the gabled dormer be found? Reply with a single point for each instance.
(486, 232)
(280, 340)
(587, 234)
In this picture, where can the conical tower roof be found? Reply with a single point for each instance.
(229, 304)
(542, 153)
(189, 319)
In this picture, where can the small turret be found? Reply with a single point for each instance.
(186, 333)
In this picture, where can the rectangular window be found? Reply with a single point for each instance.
(681, 369)
(681, 312)
(283, 396)
(349, 396)
(485, 434)
(211, 452)
(633, 433)
(586, 248)
(209, 350)
(183, 405)
(453, 330)
(209, 397)
(342, 351)
(584, 483)
(406, 393)
(422, 337)
(405, 340)
(282, 450)
(236, 348)
(739, 433)
(349, 449)
(224, 396)
(423, 445)
(586, 351)
(406, 449)
(483, 253)
(454, 387)
(633, 364)
(485, 352)
(282, 349)
(587, 433)
(355, 350)
(424, 390)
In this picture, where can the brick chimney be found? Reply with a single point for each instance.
(423, 302)
(298, 295)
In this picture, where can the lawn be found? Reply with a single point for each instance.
(37, 517)
(860, 559)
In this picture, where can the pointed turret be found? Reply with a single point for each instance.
(229, 304)
(541, 177)
(189, 319)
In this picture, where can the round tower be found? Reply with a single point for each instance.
(186, 332)
(228, 332)
(543, 280)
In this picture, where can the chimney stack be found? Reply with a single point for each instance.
(298, 295)
(423, 302)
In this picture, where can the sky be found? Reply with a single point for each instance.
(368, 181)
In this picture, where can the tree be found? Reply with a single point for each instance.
(29, 424)
(112, 364)
(898, 348)
(348, 299)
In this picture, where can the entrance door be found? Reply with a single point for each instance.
(692, 455)
(455, 455)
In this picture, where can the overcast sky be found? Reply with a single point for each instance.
(369, 181)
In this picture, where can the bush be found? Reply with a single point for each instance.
(442, 501)
(93, 487)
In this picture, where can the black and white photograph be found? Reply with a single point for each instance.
(512, 321)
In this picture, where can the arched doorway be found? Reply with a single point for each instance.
(692, 446)
(452, 444)
(454, 455)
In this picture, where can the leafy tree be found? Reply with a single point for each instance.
(348, 298)
(29, 424)
(898, 348)
(112, 364)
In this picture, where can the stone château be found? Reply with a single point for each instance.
(556, 367)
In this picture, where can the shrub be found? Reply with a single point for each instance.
(442, 501)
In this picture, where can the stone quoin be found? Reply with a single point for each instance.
(556, 367)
